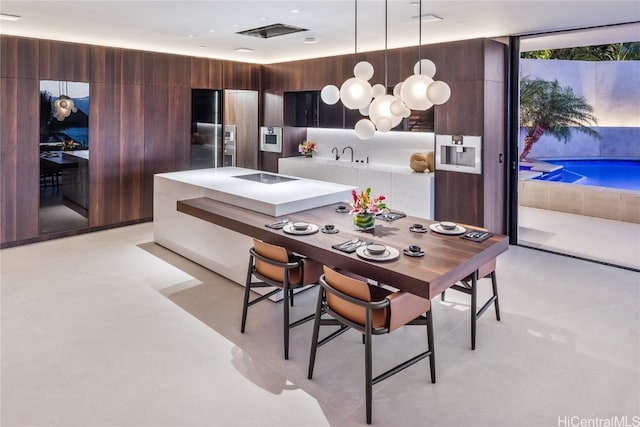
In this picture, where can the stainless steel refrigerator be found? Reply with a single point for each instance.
(206, 129)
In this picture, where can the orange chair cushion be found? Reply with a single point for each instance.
(307, 274)
(358, 289)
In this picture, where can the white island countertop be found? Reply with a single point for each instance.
(272, 194)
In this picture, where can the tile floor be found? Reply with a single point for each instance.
(109, 329)
(605, 240)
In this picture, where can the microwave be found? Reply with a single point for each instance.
(271, 139)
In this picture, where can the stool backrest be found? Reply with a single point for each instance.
(273, 252)
(354, 288)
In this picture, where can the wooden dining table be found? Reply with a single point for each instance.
(447, 258)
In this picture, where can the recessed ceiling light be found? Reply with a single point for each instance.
(428, 17)
(202, 47)
(263, 18)
(8, 17)
(235, 25)
(294, 11)
(243, 49)
(212, 30)
(192, 36)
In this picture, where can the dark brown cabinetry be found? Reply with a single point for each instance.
(140, 115)
(139, 125)
(476, 107)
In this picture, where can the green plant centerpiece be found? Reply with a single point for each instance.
(364, 208)
(548, 108)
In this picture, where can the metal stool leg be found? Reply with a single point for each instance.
(474, 316)
(494, 284)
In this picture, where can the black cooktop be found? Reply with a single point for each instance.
(265, 178)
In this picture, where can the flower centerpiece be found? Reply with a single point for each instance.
(364, 207)
(307, 148)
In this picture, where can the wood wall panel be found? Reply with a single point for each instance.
(117, 163)
(459, 197)
(167, 123)
(273, 109)
(19, 159)
(166, 70)
(494, 168)
(241, 109)
(116, 66)
(206, 73)
(64, 61)
(463, 114)
(19, 57)
(242, 76)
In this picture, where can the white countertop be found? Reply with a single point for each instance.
(83, 154)
(273, 199)
(380, 167)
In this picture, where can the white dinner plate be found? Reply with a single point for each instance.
(388, 255)
(438, 229)
(312, 228)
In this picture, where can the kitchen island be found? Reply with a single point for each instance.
(219, 249)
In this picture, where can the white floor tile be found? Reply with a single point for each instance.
(109, 329)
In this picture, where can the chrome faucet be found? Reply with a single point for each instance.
(336, 150)
(349, 149)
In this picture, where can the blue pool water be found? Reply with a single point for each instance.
(623, 174)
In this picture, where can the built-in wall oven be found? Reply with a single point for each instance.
(229, 144)
(271, 139)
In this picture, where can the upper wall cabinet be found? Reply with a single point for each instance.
(306, 109)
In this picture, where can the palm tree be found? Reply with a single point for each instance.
(548, 108)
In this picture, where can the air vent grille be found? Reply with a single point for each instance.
(272, 30)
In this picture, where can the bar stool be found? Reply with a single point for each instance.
(371, 310)
(274, 266)
(468, 285)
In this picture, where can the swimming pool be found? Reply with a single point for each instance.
(623, 174)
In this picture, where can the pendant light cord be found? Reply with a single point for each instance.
(386, 21)
(420, 37)
(355, 36)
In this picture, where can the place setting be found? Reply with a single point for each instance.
(418, 228)
(329, 229)
(350, 246)
(477, 235)
(377, 252)
(343, 209)
(413, 251)
(277, 225)
(447, 227)
(300, 228)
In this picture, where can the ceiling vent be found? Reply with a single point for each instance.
(272, 30)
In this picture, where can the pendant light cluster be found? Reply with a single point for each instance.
(64, 105)
(418, 92)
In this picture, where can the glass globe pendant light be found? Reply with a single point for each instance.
(420, 91)
(356, 92)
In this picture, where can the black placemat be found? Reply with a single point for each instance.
(345, 247)
(390, 216)
(476, 235)
(277, 225)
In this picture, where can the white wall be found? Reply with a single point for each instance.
(393, 148)
(612, 88)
